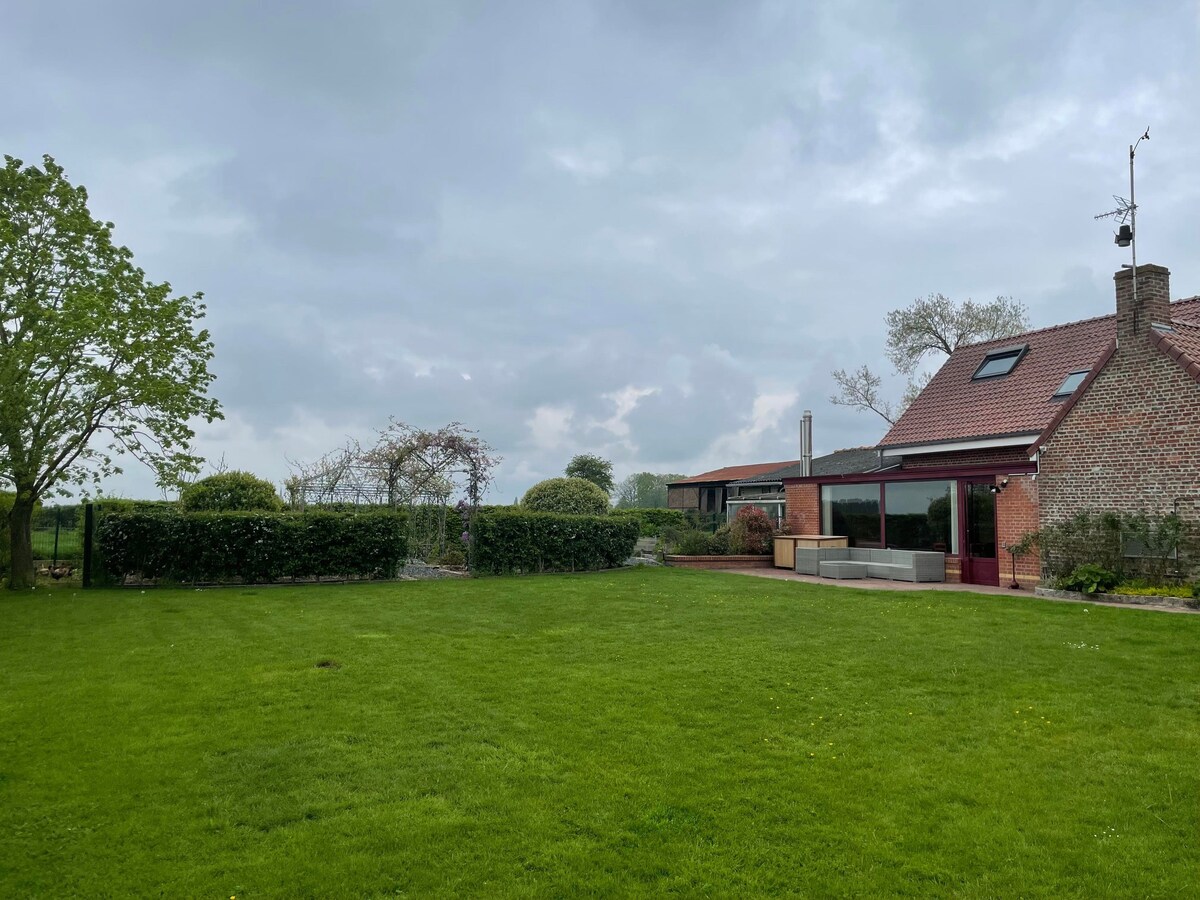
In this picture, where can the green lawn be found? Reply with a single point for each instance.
(640, 732)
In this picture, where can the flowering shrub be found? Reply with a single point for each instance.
(506, 541)
(751, 531)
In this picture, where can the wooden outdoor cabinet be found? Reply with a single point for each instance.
(786, 544)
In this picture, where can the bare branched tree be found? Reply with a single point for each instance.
(860, 389)
(933, 325)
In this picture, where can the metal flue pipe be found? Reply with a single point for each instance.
(806, 444)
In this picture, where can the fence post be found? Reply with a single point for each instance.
(88, 522)
(57, 526)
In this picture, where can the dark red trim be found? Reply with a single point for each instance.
(1069, 403)
(918, 474)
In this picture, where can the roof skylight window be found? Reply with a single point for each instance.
(1070, 383)
(1000, 362)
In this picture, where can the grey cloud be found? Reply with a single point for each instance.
(566, 200)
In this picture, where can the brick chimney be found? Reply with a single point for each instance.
(1154, 300)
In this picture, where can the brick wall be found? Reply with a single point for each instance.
(1016, 514)
(1132, 442)
(803, 505)
(991, 456)
(1154, 300)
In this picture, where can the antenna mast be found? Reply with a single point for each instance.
(1127, 234)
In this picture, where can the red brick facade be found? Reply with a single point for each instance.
(803, 514)
(1132, 441)
(1017, 514)
(991, 456)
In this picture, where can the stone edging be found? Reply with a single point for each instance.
(1125, 599)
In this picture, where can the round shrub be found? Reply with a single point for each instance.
(566, 495)
(230, 492)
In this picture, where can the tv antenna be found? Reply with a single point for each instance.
(1126, 235)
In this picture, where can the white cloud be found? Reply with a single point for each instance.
(624, 402)
(550, 427)
(771, 411)
(589, 162)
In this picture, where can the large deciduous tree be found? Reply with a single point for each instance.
(644, 490)
(596, 469)
(95, 360)
(931, 325)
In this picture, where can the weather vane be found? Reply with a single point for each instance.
(1127, 210)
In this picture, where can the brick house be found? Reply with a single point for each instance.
(1017, 432)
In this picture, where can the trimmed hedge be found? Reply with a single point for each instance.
(652, 522)
(509, 541)
(190, 547)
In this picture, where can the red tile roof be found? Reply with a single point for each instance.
(1182, 345)
(955, 407)
(733, 473)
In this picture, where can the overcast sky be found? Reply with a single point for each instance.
(646, 230)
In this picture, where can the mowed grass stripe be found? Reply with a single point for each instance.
(638, 732)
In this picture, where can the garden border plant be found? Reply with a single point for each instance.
(1100, 552)
(749, 534)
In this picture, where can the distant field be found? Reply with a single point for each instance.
(70, 543)
(635, 733)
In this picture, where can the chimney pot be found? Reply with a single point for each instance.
(1153, 296)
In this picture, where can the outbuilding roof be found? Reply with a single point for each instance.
(733, 473)
(851, 461)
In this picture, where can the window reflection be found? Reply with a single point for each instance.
(922, 515)
(852, 510)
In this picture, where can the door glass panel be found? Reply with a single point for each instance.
(981, 521)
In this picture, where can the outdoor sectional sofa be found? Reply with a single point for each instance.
(857, 562)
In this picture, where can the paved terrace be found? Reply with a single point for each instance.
(879, 584)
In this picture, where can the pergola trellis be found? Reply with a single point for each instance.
(407, 468)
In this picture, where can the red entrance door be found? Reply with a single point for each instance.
(980, 564)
